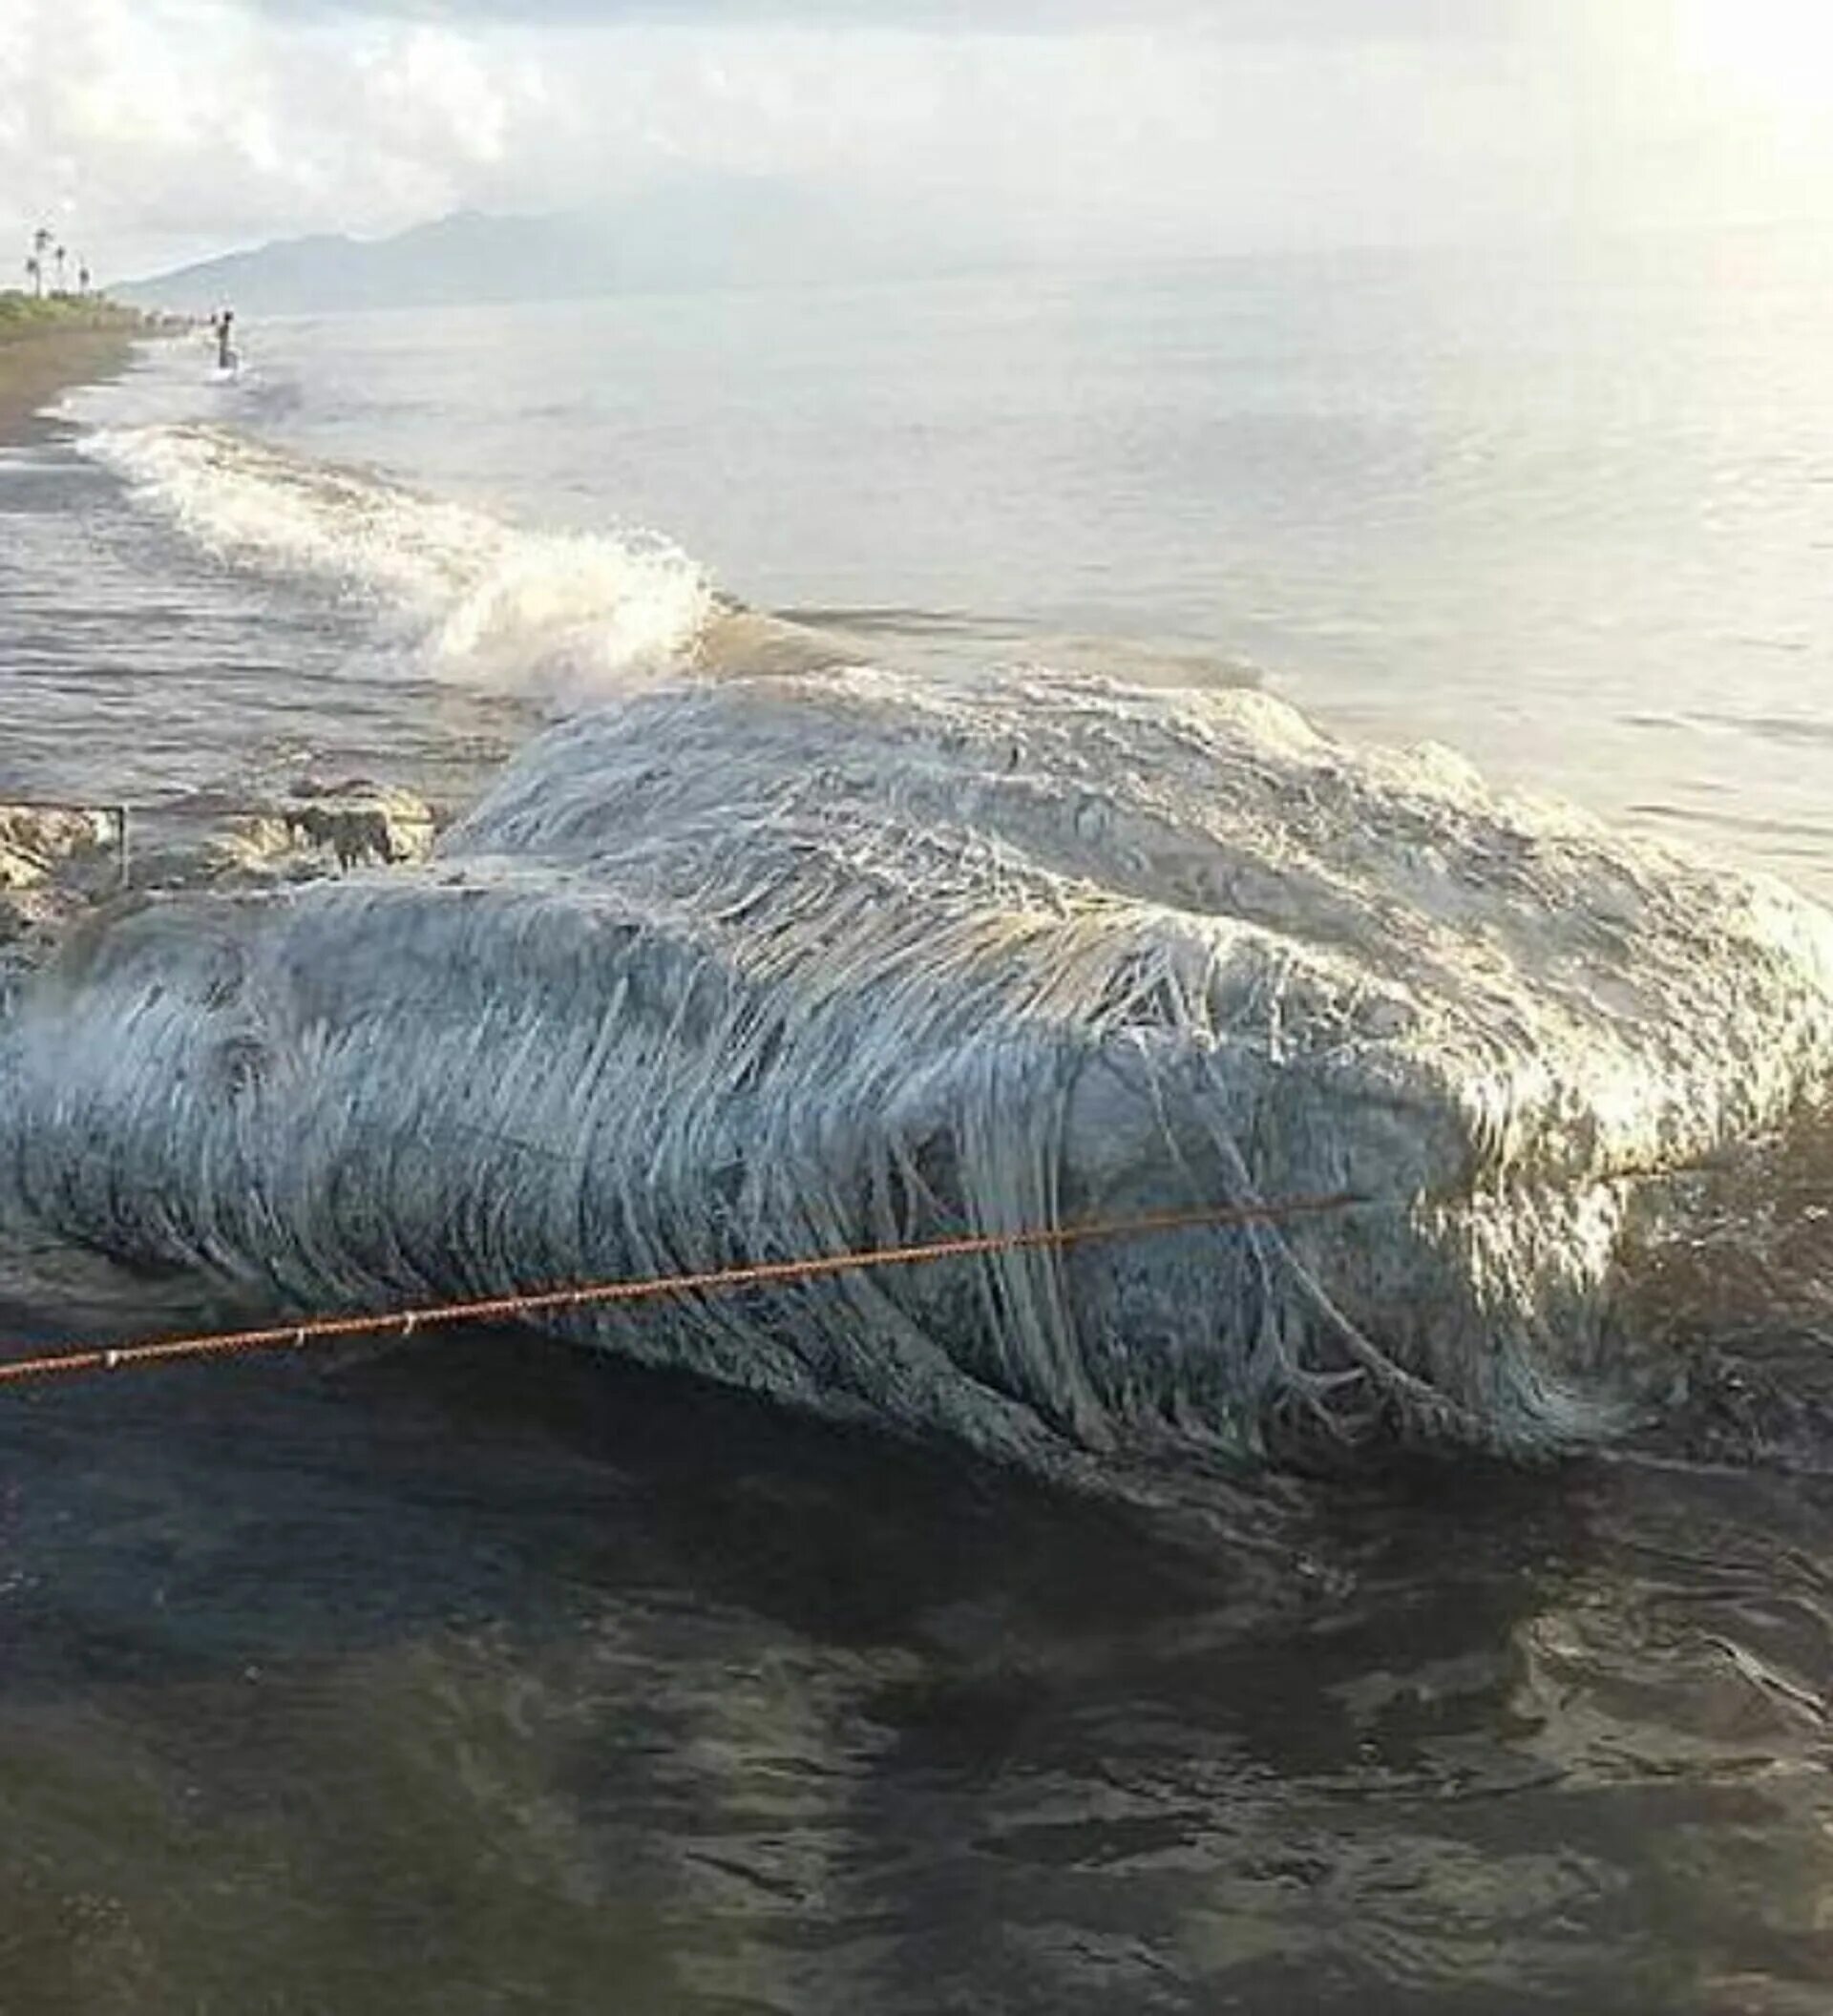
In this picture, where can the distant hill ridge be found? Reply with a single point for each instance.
(699, 233)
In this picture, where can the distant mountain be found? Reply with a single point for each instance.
(699, 233)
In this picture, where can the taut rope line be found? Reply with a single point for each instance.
(603, 1295)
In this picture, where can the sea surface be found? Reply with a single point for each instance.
(481, 1678)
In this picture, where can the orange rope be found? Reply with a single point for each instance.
(403, 1323)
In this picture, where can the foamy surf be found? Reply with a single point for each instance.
(567, 614)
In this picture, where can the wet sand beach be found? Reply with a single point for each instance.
(37, 365)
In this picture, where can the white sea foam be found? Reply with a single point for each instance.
(573, 613)
(771, 966)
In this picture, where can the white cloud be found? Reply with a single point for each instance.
(151, 130)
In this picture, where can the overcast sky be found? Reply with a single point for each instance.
(146, 132)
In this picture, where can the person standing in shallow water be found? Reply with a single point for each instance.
(225, 327)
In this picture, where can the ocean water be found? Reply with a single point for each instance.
(1571, 517)
(481, 1678)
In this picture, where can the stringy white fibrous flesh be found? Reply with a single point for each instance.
(770, 967)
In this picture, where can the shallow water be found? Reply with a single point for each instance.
(485, 1677)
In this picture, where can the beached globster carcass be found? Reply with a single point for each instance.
(763, 967)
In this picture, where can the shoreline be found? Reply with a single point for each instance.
(35, 366)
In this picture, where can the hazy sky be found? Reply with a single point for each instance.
(151, 131)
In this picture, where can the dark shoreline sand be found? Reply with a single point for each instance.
(35, 368)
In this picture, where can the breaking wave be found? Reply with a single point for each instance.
(769, 966)
(469, 595)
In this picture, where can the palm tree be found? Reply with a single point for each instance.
(60, 255)
(82, 278)
(36, 273)
(40, 246)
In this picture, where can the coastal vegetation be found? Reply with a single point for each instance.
(50, 261)
(23, 315)
(50, 305)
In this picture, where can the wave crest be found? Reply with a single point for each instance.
(469, 595)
